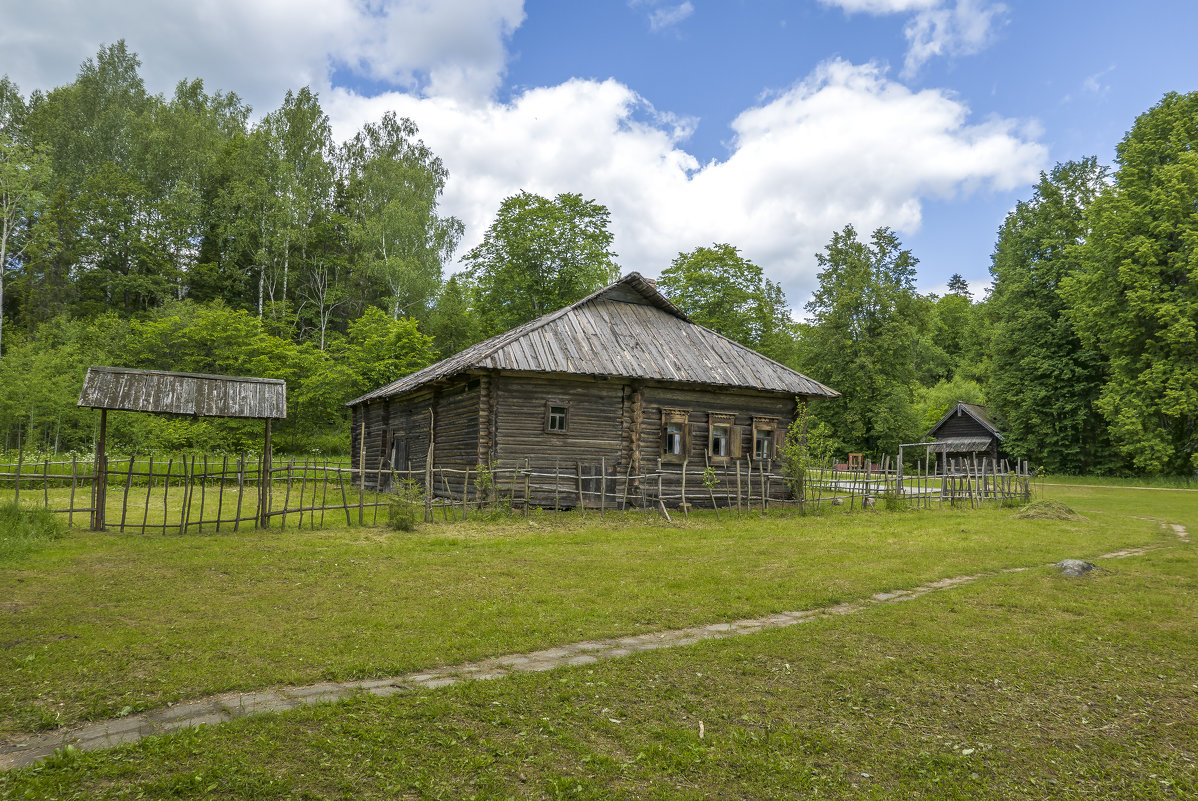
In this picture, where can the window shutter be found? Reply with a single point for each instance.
(779, 441)
(736, 449)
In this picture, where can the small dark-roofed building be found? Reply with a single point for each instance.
(621, 378)
(967, 428)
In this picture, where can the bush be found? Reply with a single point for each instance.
(23, 530)
(401, 513)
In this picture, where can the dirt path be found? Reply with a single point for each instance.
(221, 708)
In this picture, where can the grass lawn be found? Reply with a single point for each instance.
(1020, 685)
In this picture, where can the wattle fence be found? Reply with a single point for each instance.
(194, 492)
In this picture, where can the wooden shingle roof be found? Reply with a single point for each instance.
(183, 393)
(626, 330)
(976, 411)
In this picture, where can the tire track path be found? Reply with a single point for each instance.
(229, 706)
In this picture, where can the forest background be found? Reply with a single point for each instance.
(172, 233)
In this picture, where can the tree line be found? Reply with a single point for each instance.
(142, 231)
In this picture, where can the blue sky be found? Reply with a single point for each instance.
(762, 123)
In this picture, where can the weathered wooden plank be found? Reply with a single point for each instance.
(607, 334)
(183, 393)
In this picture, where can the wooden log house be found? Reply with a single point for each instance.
(615, 382)
(966, 429)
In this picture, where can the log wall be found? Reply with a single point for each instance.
(500, 419)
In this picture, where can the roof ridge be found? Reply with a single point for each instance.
(501, 340)
(490, 353)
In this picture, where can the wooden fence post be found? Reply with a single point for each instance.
(527, 475)
(220, 489)
(602, 486)
(240, 489)
(264, 478)
(71, 503)
(125, 500)
(581, 505)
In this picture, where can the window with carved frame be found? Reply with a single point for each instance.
(675, 434)
(765, 431)
(721, 433)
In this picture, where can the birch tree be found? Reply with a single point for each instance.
(24, 174)
(393, 186)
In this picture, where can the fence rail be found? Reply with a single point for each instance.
(197, 492)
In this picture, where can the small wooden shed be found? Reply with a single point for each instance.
(199, 395)
(609, 384)
(966, 428)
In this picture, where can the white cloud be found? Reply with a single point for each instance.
(846, 145)
(881, 6)
(450, 48)
(961, 29)
(937, 27)
(1094, 84)
(668, 16)
(663, 14)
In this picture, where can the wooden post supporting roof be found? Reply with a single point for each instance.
(101, 477)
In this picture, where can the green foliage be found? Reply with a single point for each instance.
(393, 188)
(379, 349)
(932, 403)
(809, 444)
(1134, 296)
(24, 529)
(539, 255)
(453, 324)
(402, 510)
(866, 323)
(1043, 381)
(959, 287)
(956, 335)
(720, 289)
(143, 200)
(41, 377)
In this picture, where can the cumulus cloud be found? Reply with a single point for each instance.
(881, 6)
(845, 145)
(668, 16)
(957, 30)
(452, 48)
(662, 14)
(937, 27)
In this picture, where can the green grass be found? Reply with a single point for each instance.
(1159, 482)
(1057, 688)
(24, 530)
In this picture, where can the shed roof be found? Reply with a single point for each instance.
(957, 445)
(978, 412)
(183, 393)
(628, 330)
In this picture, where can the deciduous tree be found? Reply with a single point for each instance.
(393, 186)
(1043, 382)
(540, 255)
(865, 327)
(24, 177)
(720, 289)
(1134, 296)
